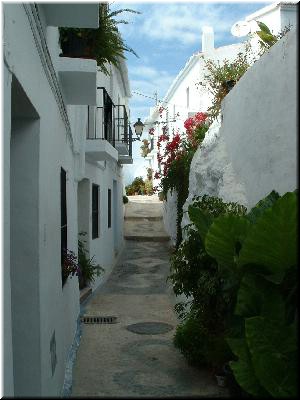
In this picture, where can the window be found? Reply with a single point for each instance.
(63, 217)
(109, 208)
(187, 97)
(108, 118)
(95, 211)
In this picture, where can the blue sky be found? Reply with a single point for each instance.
(164, 36)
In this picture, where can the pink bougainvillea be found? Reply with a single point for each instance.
(175, 148)
(196, 127)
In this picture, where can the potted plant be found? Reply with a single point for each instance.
(70, 266)
(103, 44)
(89, 270)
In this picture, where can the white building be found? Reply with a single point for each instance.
(219, 170)
(276, 16)
(186, 97)
(62, 174)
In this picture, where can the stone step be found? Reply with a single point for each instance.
(85, 293)
(140, 218)
(147, 238)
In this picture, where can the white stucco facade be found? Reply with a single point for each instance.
(185, 96)
(46, 99)
(253, 149)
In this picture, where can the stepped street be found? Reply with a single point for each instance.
(133, 355)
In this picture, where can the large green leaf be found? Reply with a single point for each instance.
(257, 296)
(243, 369)
(273, 349)
(224, 238)
(201, 219)
(263, 27)
(267, 38)
(262, 205)
(272, 241)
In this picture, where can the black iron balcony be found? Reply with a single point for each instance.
(109, 123)
(121, 130)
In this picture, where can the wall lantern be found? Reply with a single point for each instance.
(138, 128)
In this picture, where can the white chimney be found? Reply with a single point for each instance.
(207, 39)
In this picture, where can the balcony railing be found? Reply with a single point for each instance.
(110, 122)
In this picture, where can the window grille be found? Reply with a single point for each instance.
(63, 219)
(109, 208)
(95, 211)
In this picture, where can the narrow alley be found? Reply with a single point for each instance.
(134, 355)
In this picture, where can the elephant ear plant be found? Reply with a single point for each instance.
(257, 253)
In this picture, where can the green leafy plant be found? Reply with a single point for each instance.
(178, 178)
(136, 187)
(245, 293)
(145, 149)
(259, 253)
(89, 270)
(222, 76)
(195, 274)
(150, 174)
(125, 199)
(148, 187)
(103, 44)
(199, 344)
(266, 38)
(175, 160)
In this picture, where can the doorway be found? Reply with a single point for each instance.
(24, 242)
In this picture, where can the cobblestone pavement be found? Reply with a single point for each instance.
(113, 360)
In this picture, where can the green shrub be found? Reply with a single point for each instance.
(221, 77)
(148, 187)
(89, 270)
(200, 345)
(257, 258)
(161, 196)
(125, 199)
(105, 44)
(137, 186)
(195, 274)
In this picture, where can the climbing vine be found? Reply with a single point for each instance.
(174, 157)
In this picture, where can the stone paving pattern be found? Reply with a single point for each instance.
(115, 362)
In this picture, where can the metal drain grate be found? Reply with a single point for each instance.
(87, 319)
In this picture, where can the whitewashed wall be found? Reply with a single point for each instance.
(254, 149)
(55, 309)
(36, 304)
(262, 136)
(103, 248)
